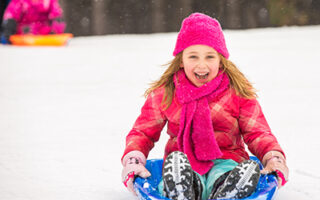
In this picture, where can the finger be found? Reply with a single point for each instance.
(130, 186)
(279, 182)
(128, 178)
(267, 170)
(142, 172)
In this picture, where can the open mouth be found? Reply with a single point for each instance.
(201, 75)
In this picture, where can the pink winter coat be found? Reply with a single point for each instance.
(35, 16)
(235, 120)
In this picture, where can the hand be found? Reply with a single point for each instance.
(133, 165)
(275, 162)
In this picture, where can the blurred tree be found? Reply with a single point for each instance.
(98, 17)
(175, 12)
(233, 12)
(254, 14)
(289, 12)
(315, 12)
(158, 22)
(77, 14)
(215, 9)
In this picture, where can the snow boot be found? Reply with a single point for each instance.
(178, 177)
(241, 182)
(197, 186)
(218, 183)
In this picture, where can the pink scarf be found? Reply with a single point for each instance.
(196, 135)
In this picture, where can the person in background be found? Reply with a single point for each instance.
(38, 17)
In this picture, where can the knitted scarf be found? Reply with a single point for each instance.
(196, 135)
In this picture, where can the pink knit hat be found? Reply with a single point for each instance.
(199, 28)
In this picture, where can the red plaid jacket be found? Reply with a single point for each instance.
(236, 121)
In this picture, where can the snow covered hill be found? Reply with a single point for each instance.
(65, 112)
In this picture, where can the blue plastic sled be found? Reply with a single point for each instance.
(146, 189)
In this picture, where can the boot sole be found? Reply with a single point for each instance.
(241, 182)
(178, 177)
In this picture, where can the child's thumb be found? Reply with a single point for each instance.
(143, 172)
(267, 170)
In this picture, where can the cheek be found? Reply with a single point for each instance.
(188, 71)
(215, 66)
(214, 74)
(214, 70)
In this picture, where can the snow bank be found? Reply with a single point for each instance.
(65, 112)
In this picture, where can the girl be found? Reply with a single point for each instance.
(38, 17)
(211, 111)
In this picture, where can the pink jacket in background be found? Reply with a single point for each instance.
(235, 120)
(35, 16)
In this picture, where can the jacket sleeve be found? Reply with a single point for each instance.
(255, 129)
(147, 128)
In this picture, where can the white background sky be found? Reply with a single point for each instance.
(65, 112)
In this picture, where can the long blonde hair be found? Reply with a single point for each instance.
(237, 79)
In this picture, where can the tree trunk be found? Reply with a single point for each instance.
(158, 16)
(99, 17)
(233, 14)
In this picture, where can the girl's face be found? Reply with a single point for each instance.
(200, 63)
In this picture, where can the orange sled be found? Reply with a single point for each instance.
(41, 40)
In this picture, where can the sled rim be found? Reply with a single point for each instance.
(146, 189)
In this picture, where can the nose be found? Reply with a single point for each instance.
(202, 64)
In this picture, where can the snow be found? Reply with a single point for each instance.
(65, 111)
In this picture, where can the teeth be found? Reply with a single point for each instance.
(202, 76)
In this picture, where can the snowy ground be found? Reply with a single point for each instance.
(65, 112)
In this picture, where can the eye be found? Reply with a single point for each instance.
(210, 57)
(193, 57)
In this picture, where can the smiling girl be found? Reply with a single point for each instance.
(211, 112)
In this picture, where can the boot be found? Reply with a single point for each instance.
(240, 183)
(178, 177)
(197, 186)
